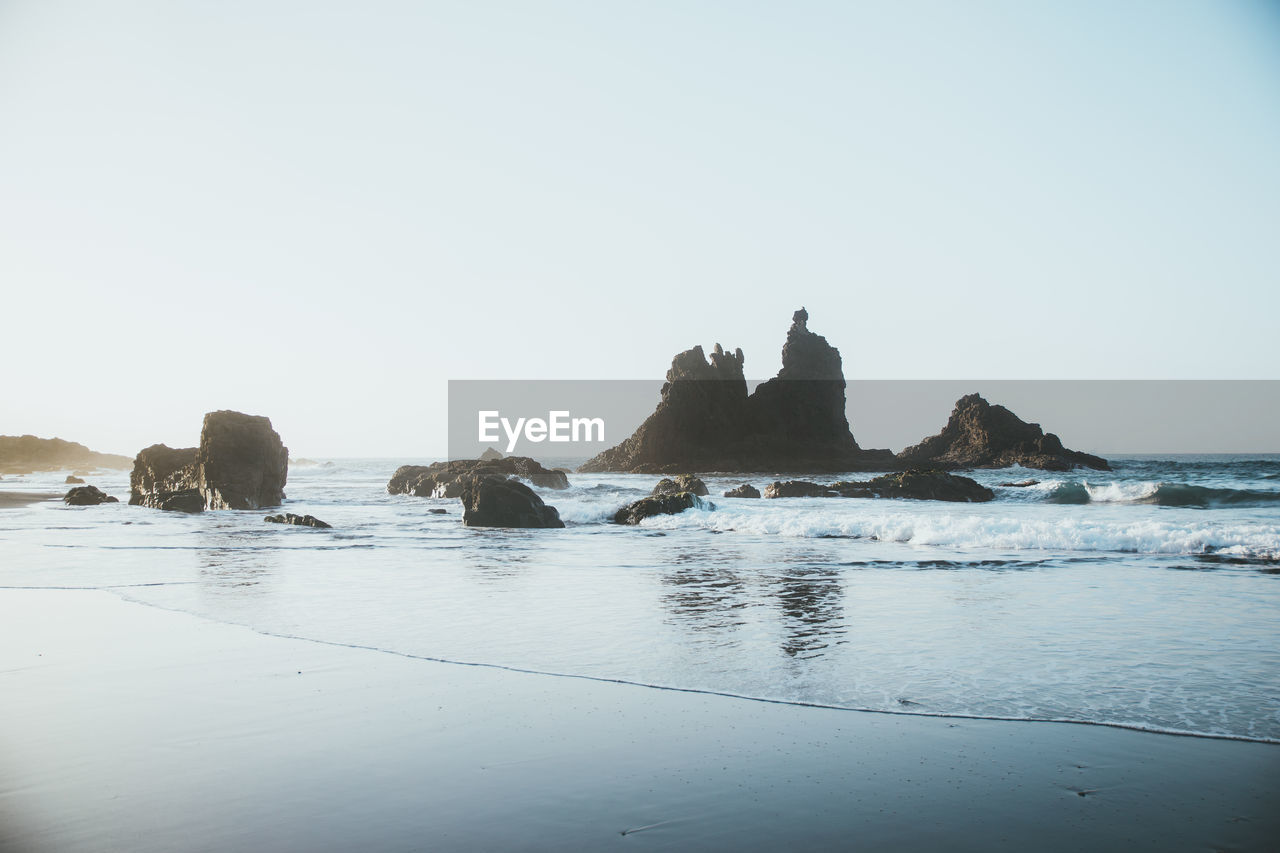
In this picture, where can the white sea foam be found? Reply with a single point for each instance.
(1188, 534)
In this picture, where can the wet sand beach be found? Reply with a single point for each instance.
(151, 730)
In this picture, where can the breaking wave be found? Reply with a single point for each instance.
(1161, 494)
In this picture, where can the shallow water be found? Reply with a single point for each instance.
(1121, 610)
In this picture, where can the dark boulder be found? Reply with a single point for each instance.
(746, 490)
(490, 500)
(680, 483)
(445, 479)
(73, 480)
(797, 489)
(240, 464)
(706, 421)
(300, 520)
(183, 500)
(634, 513)
(438, 511)
(929, 486)
(88, 496)
(980, 435)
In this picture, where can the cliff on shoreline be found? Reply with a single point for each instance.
(27, 454)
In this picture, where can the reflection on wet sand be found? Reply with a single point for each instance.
(231, 557)
(812, 611)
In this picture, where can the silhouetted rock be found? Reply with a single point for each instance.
(1021, 484)
(444, 479)
(438, 511)
(26, 454)
(797, 489)
(746, 490)
(491, 453)
(300, 520)
(980, 435)
(88, 496)
(706, 421)
(72, 480)
(240, 464)
(490, 500)
(634, 513)
(681, 483)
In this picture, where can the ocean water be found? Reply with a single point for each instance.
(1147, 597)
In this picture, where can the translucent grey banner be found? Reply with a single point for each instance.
(566, 422)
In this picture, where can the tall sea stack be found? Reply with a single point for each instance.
(706, 421)
(240, 464)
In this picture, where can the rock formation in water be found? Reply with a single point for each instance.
(746, 490)
(680, 483)
(240, 464)
(26, 454)
(706, 421)
(444, 479)
(491, 453)
(73, 480)
(88, 496)
(668, 504)
(491, 500)
(916, 484)
(300, 520)
(980, 435)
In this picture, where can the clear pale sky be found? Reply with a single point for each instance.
(322, 212)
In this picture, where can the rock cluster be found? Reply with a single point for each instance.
(746, 490)
(668, 504)
(917, 484)
(88, 496)
(445, 479)
(706, 420)
(300, 520)
(980, 435)
(240, 464)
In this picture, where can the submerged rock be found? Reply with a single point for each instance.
(240, 464)
(917, 484)
(980, 435)
(1021, 484)
(706, 421)
(680, 483)
(746, 490)
(668, 504)
(797, 489)
(72, 480)
(929, 486)
(301, 520)
(445, 479)
(88, 496)
(493, 501)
